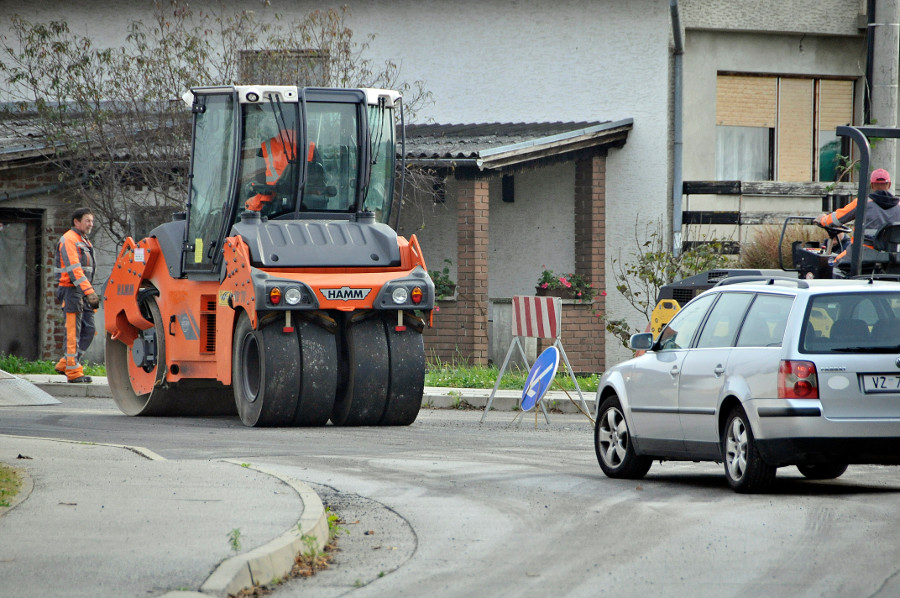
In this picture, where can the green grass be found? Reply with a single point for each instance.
(9, 484)
(468, 376)
(16, 365)
(453, 375)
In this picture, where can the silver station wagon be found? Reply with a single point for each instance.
(759, 375)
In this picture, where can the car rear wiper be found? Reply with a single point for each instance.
(867, 349)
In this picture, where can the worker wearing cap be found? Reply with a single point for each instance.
(882, 209)
(74, 267)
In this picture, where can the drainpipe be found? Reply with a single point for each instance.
(870, 55)
(677, 182)
(886, 32)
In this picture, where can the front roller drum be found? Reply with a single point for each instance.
(319, 375)
(141, 389)
(406, 350)
(367, 375)
(265, 372)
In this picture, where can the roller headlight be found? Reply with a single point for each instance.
(292, 296)
(400, 295)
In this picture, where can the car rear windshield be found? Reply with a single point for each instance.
(852, 323)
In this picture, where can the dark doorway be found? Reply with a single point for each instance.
(20, 264)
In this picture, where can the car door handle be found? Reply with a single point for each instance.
(719, 370)
(674, 371)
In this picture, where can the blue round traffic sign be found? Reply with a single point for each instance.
(540, 377)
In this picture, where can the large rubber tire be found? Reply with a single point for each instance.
(744, 468)
(265, 373)
(823, 471)
(406, 352)
(187, 397)
(368, 374)
(319, 375)
(613, 446)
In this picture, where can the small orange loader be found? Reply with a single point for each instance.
(282, 291)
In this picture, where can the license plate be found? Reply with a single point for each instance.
(881, 382)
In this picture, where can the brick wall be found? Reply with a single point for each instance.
(583, 338)
(447, 333)
(584, 335)
(472, 270)
(42, 196)
(56, 223)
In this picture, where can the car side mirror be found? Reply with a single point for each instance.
(641, 342)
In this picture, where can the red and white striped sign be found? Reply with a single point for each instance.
(538, 317)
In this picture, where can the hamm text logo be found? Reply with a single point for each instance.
(345, 294)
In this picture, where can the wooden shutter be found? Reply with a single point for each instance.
(745, 101)
(794, 138)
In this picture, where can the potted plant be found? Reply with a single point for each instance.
(567, 286)
(444, 287)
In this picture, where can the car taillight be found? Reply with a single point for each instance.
(275, 296)
(416, 295)
(797, 380)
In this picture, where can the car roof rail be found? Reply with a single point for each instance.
(769, 280)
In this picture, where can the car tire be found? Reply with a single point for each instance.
(612, 443)
(823, 471)
(744, 468)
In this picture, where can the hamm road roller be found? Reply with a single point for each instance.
(282, 292)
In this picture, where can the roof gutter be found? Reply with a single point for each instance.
(506, 155)
(677, 149)
(6, 196)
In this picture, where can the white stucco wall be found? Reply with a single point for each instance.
(534, 231)
(830, 17)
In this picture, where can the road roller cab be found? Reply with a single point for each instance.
(282, 292)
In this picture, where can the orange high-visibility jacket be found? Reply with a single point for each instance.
(74, 262)
(277, 153)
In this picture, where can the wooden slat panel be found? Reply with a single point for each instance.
(745, 101)
(795, 122)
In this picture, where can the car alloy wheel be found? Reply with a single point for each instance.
(612, 443)
(744, 467)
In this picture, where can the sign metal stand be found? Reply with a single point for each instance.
(535, 317)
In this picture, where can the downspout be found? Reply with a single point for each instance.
(870, 54)
(677, 175)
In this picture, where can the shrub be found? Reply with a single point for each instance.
(762, 251)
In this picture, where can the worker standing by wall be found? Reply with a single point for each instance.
(74, 267)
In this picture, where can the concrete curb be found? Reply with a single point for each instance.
(275, 559)
(434, 397)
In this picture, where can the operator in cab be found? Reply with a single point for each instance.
(882, 209)
(277, 152)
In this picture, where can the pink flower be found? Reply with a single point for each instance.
(436, 308)
(578, 294)
(564, 282)
(543, 285)
(603, 293)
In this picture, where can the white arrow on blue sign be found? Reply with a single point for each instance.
(540, 377)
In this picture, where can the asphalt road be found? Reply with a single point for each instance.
(451, 507)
